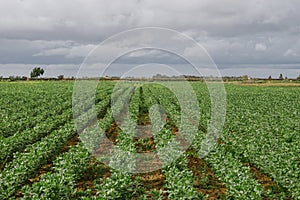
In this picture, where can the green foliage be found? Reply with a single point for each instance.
(179, 181)
(119, 186)
(68, 168)
(26, 163)
(262, 128)
(36, 72)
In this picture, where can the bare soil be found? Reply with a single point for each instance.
(95, 170)
(205, 180)
(266, 182)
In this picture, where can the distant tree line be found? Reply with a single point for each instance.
(281, 77)
(39, 71)
(36, 72)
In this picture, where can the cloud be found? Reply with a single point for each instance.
(260, 47)
(234, 32)
(68, 52)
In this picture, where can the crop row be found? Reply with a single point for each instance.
(179, 179)
(120, 185)
(27, 107)
(265, 133)
(16, 124)
(19, 141)
(59, 184)
(236, 177)
(25, 164)
(68, 167)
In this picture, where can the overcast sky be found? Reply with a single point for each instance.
(257, 37)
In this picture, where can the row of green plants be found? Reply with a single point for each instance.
(19, 141)
(67, 169)
(84, 99)
(178, 178)
(264, 131)
(120, 184)
(261, 128)
(22, 167)
(236, 177)
(24, 109)
(25, 164)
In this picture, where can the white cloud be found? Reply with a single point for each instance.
(260, 47)
(68, 52)
(233, 31)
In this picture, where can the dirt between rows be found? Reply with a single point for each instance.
(48, 166)
(205, 180)
(266, 182)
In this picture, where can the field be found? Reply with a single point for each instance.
(45, 156)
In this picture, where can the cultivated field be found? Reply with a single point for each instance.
(42, 155)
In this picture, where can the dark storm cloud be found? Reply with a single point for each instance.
(236, 33)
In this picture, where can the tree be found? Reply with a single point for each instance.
(280, 77)
(60, 77)
(36, 72)
(298, 78)
(270, 78)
